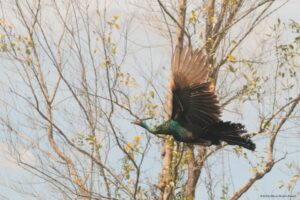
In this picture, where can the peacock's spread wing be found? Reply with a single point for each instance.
(194, 100)
(188, 67)
(196, 104)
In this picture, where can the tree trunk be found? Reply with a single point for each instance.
(166, 182)
(194, 169)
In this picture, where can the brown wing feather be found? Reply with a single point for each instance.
(194, 100)
(189, 67)
(199, 105)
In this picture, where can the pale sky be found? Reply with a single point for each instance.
(9, 170)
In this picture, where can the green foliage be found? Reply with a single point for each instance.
(193, 17)
(287, 55)
(289, 50)
(113, 23)
(20, 45)
(131, 149)
(253, 86)
(151, 93)
(151, 108)
(294, 26)
(110, 44)
(225, 191)
(83, 139)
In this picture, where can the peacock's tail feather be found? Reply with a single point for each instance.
(230, 133)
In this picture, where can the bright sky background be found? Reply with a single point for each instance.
(8, 170)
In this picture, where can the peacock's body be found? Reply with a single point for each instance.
(195, 115)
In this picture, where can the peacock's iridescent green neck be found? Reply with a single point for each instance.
(172, 127)
(163, 128)
(147, 127)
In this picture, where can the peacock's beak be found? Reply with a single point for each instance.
(139, 121)
(136, 122)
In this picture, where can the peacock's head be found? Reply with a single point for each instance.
(137, 122)
(153, 130)
(141, 122)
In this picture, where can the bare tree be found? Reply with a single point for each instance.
(221, 17)
(70, 90)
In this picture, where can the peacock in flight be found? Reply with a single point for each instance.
(195, 117)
